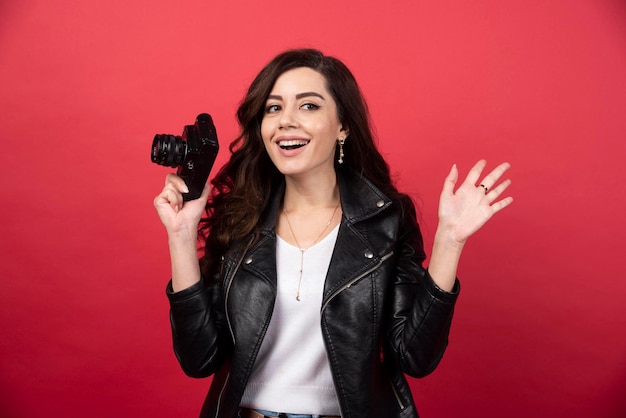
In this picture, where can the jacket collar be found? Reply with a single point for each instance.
(354, 254)
(360, 200)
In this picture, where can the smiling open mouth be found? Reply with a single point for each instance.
(293, 144)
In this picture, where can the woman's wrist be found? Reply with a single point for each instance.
(444, 259)
(183, 237)
(446, 239)
(183, 246)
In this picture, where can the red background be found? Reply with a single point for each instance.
(84, 86)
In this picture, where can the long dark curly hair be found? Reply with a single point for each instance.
(243, 186)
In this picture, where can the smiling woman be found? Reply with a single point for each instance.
(84, 86)
(311, 298)
(300, 127)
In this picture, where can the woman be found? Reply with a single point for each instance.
(311, 299)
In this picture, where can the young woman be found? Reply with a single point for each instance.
(310, 299)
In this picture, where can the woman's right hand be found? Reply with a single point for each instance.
(179, 218)
(181, 222)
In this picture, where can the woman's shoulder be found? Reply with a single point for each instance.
(355, 186)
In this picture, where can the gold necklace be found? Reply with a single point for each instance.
(303, 250)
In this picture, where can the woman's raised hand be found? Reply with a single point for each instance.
(465, 210)
(176, 217)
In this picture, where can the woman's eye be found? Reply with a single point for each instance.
(272, 108)
(310, 106)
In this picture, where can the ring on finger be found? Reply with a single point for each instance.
(484, 187)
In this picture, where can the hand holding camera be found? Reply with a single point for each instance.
(193, 154)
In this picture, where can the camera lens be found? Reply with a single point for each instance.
(168, 150)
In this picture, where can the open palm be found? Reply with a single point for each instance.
(465, 210)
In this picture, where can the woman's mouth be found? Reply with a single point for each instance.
(289, 144)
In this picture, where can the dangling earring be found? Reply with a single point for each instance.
(341, 142)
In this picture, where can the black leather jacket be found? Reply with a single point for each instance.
(381, 315)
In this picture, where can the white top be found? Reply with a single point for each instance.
(292, 373)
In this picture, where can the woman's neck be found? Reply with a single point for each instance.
(310, 193)
(310, 210)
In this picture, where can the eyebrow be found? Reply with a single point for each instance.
(298, 96)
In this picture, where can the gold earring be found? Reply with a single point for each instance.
(341, 155)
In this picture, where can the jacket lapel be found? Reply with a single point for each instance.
(354, 253)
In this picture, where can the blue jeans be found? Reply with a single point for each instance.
(275, 414)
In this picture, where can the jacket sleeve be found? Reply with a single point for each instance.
(422, 312)
(199, 328)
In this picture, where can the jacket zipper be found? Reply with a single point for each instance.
(356, 279)
(350, 283)
(229, 281)
(219, 399)
(396, 394)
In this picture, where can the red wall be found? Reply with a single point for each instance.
(84, 86)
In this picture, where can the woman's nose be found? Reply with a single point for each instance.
(288, 118)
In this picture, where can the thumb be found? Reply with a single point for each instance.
(450, 181)
(205, 192)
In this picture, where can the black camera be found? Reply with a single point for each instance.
(193, 153)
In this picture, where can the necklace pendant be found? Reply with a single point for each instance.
(303, 250)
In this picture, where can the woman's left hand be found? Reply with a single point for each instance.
(475, 201)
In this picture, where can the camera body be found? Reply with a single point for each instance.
(193, 153)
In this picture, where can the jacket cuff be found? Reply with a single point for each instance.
(187, 301)
(441, 294)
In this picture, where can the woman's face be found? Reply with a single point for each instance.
(300, 125)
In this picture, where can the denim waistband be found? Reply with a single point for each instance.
(287, 415)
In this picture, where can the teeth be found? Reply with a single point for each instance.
(293, 143)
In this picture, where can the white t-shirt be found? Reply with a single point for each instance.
(292, 373)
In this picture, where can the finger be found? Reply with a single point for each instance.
(175, 199)
(169, 196)
(501, 204)
(177, 182)
(498, 190)
(475, 172)
(492, 178)
(450, 180)
(204, 196)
